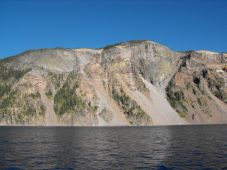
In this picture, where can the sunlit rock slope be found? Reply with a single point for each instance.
(135, 83)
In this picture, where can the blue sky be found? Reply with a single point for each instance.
(178, 24)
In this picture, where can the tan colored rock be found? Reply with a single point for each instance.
(146, 73)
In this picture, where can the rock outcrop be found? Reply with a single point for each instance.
(135, 83)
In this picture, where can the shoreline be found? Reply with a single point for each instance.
(65, 126)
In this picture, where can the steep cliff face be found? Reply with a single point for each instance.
(132, 83)
(198, 91)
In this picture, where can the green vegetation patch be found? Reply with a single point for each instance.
(4, 89)
(132, 111)
(20, 108)
(56, 79)
(7, 73)
(217, 87)
(17, 106)
(9, 77)
(176, 99)
(35, 95)
(67, 100)
(49, 94)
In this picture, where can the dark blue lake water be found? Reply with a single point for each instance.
(171, 147)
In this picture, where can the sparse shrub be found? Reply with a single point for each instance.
(35, 95)
(8, 73)
(176, 99)
(49, 94)
(199, 101)
(131, 109)
(67, 100)
(4, 89)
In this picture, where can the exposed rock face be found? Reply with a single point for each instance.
(132, 83)
(198, 91)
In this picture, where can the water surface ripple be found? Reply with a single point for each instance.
(171, 147)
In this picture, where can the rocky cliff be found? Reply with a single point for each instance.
(132, 83)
